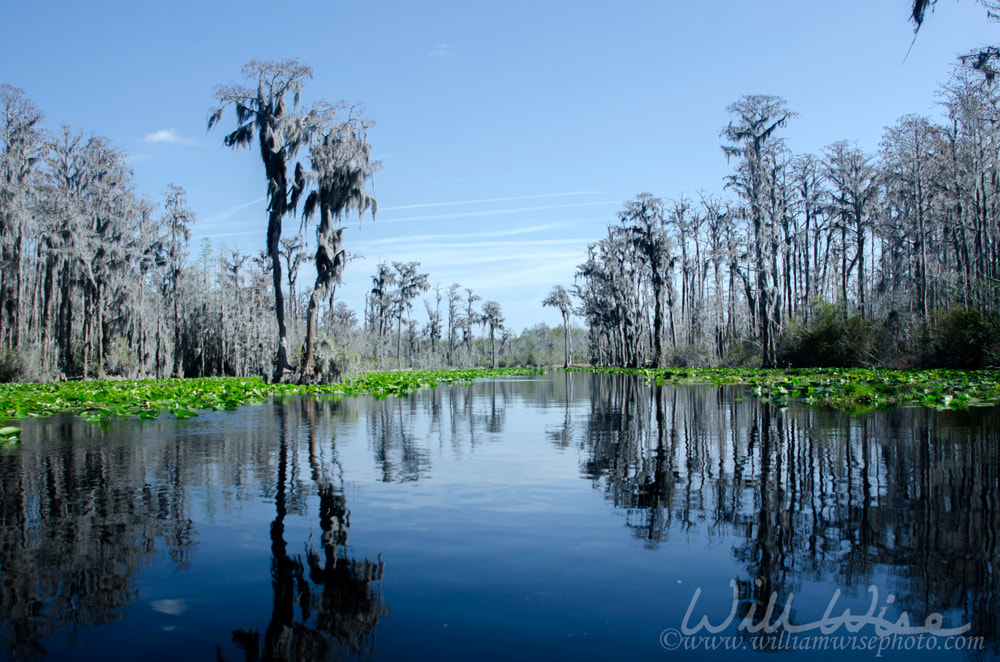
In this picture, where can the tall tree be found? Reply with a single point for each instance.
(21, 147)
(492, 317)
(909, 161)
(751, 140)
(409, 285)
(470, 319)
(853, 189)
(265, 110)
(643, 221)
(380, 303)
(343, 168)
(177, 220)
(454, 318)
(558, 298)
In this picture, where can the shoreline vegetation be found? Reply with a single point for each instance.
(853, 390)
(102, 400)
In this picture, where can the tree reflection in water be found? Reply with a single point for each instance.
(904, 500)
(338, 597)
(798, 499)
(73, 533)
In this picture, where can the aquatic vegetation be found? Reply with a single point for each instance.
(853, 389)
(146, 399)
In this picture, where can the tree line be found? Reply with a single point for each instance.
(97, 280)
(842, 257)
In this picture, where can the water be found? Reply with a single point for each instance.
(564, 517)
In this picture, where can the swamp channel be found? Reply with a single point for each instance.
(566, 516)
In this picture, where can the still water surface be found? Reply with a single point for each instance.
(569, 516)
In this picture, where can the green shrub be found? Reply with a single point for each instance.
(828, 340)
(960, 338)
(10, 366)
(742, 354)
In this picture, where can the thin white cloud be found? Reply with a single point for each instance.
(494, 212)
(493, 279)
(411, 244)
(164, 136)
(225, 214)
(411, 237)
(440, 49)
(486, 200)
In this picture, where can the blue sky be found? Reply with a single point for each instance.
(510, 133)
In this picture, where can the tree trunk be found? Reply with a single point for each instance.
(178, 364)
(282, 369)
(329, 266)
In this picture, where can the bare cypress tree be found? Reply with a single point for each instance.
(381, 305)
(558, 298)
(177, 220)
(853, 180)
(643, 219)
(21, 146)
(454, 319)
(291, 250)
(434, 320)
(492, 317)
(409, 285)
(751, 139)
(470, 319)
(264, 111)
(909, 164)
(808, 183)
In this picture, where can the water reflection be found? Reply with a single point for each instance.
(338, 597)
(75, 531)
(85, 509)
(904, 500)
(798, 498)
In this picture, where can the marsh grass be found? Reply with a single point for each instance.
(183, 398)
(852, 389)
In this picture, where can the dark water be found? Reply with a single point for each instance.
(567, 517)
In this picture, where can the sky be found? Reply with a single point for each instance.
(510, 133)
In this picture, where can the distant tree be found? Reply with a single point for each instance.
(558, 298)
(853, 181)
(471, 319)
(177, 220)
(492, 317)
(291, 250)
(343, 318)
(454, 318)
(409, 285)
(434, 319)
(808, 182)
(265, 112)
(380, 304)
